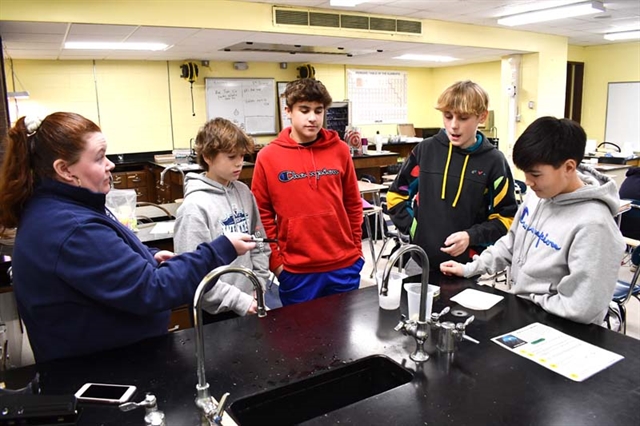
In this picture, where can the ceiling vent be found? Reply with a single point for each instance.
(307, 18)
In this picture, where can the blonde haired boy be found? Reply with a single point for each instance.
(454, 194)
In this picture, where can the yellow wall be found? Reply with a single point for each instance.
(132, 105)
(141, 106)
(133, 96)
(145, 106)
(605, 64)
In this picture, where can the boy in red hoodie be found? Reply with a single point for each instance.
(306, 189)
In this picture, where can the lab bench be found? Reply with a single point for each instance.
(479, 384)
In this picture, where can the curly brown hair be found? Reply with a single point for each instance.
(306, 89)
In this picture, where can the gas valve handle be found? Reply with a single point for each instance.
(402, 323)
(148, 402)
(436, 317)
(460, 327)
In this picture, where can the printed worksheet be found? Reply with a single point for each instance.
(559, 352)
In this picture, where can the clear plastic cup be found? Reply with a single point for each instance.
(391, 301)
(413, 299)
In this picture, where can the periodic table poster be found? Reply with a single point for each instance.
(377, 97)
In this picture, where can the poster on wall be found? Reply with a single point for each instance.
(284, 119)
(377, 97)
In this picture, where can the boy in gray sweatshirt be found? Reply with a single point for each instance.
(564, 247)
(216, 203)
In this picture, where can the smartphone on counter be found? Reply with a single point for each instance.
(105, 393)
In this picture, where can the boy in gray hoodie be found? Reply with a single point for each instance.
(216, 203)
(564, 247)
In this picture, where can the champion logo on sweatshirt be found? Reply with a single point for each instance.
(540, 235)
(288, 175)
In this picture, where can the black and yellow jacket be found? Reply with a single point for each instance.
(442, 189)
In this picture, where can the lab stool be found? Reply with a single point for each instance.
(375, 211)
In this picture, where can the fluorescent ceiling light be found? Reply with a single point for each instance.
(89, 45)
(425, 58)
(624, 35)
(346, 3)
(18, 95)
(561, 12)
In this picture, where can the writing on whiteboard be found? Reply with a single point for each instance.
(248, 103)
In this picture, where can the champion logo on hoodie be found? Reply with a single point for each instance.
(541, 235)
(288, 175)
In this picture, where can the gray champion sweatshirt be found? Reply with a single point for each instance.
(564, 252)
(209, 210)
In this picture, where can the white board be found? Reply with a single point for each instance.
(623, 109)
(377, 96)
(250, 103)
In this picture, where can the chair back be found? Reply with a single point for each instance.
(624, 297)
(520, 189)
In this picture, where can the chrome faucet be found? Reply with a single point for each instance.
(419, 330)
(205, 403)
(174, 167)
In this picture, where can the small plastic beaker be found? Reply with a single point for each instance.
(413, 299)
(394, 288)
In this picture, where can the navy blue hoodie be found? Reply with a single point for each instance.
(85, 283)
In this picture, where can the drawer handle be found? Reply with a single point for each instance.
(136, 179)
(117, 180)
(177, 327)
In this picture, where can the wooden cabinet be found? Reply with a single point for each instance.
(180, 319)
(137, 180)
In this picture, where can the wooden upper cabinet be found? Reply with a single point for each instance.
(137, 180)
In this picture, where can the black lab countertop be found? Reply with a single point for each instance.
(481, 384)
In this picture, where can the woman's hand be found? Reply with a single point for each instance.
(241, 242)
(451, 267)
(163, 255)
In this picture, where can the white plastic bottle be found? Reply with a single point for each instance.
(378, 141)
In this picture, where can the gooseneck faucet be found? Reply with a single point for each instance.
(174, 167)
(204, 401)
(418, 330)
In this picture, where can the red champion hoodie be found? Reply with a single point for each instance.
(308, 198)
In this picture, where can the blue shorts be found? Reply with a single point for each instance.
(297, 288)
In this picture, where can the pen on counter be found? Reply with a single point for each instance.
(263, 240)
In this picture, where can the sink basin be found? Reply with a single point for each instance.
(321, 394)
